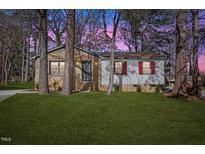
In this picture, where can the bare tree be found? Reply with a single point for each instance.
(29, 25)
(87, 26)
(181, 53)
(82, 19)
(10, 44)
(57, 24)
(10, 50)
(133, 24)
(137, 21)
(23, 61)
(195, 48)
(69, 54)
(43, 74)
(25, 20)
(112, 40)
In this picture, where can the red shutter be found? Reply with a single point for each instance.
(152, 66)
(124, 68)
(140, 67)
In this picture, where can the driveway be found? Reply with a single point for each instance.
(4, 94)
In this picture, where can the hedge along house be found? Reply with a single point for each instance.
(133, 71)
(86, 69)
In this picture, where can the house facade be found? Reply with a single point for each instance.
(85, 74)
(131, 70)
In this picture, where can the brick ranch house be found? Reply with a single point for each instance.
(131, 70)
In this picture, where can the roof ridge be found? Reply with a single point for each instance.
(63, 46)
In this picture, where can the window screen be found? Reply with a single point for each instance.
(120, 67)
(86, 71)
(56, 68)
(146, 68)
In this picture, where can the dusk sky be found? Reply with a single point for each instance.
(121, 45)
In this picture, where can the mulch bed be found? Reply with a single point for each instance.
(187, 97)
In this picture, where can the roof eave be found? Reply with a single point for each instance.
(63, 46)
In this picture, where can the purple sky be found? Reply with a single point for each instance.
(202, 63)
(120, 45)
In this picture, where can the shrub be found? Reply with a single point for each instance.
(55, 85)
(139, 89)
(59, 88)
(157, 90)
(116, 88)
(36, 86)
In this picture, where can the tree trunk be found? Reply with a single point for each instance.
(27, 61)
(195, 30)
(43, 74)
(134, 35)
(6, 77)
(136, 47)
(2, 72)
(69, 55)
(3, 62)
(22, 63)
(181, 55)
(58, 38)
(190, 62)
(28, 49)
(142, 40)
(111, 77)
(35, 46)
(116, 20)
(135, 39)
(5, 69)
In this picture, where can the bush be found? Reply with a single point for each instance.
(55, 85)
(139, 89)
(17, 85)
(59, 88)
(116, 88)
(36, 86)
(157, 90)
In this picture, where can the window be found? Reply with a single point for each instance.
(56, 68)
(86, 70)
(146, 68)
(120, 67)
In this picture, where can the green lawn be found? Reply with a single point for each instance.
(94, 118)
(15, 85)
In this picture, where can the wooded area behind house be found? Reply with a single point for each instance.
(177, 34)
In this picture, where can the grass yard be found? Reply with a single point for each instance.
(94, 118)
(16, 85)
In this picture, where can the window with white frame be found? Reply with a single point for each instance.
(146, 68)
(118, 67)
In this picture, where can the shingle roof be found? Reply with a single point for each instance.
(118, 55)
(132, 55)
(63, 47)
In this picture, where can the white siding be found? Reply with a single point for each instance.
(133, 76)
